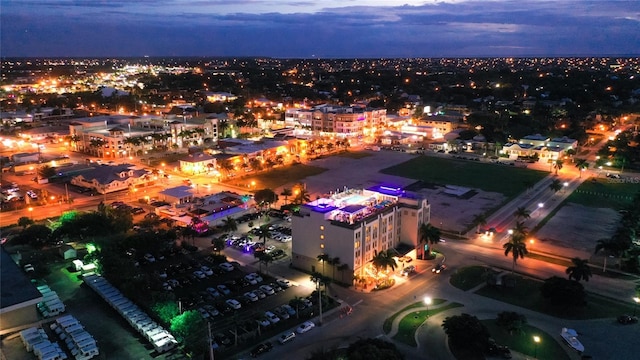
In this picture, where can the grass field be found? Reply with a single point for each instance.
(386, 327)
(354, 154)
(279, 176)
(605, 192)
(468, 277)
(527, 295)
(548, 348)
(507, 180)
(411, 322)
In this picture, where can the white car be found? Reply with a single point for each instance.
(226, 266)
(204, 313)
(251, 296)
(251, 279)
(255, 276)
(224, 289)
(289, 309)
(206, 270)
(286, 337)
(213, 292)
(282, 313)
(305, 326)
(264, 322)
(273, 318)
(267, 289)
(284, 283)
(149, 258)
(199, 274)
(234, 304)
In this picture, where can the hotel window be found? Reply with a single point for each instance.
(356, 244)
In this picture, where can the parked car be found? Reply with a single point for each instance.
(256, 276)
(627, 319)
(284, 283)
(206, 270)
(289, 309)
(305, 326)
(213, 292)
(251, 279)
(223, 289)
(267, 289)
(226, 266)
(261, 349)
(199, 274)
(251, 296)
(204, 313)
(234, 304)
(283, 314)
(408, 270)
(149, 258)
(273, 318)
(286, 337)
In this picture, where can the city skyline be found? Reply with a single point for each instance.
(299, 29)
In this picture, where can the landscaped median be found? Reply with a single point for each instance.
(410, 318)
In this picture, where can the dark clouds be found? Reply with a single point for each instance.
(303, 28)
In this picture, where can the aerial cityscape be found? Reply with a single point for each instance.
(262, 193)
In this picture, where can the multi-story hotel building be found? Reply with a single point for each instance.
(336, 120)
(353, 225)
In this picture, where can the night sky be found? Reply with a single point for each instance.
(322, 29)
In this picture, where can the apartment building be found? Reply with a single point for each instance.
(355, 224)
(336, 120)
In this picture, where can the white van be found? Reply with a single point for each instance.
(87, 352)
(56, 354)
(33, 339)
(165, 344)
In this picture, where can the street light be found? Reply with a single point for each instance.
(540, 206)
(31, 214)
(536, 339)
(636, 300)
(531, 241)
(427, 301)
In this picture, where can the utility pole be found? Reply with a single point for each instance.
(209, 337)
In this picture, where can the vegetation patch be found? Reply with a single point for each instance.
(488, 177)
(386, 327)
(606, 192)
(412, 321)
(354, 154)
(469, 277)
(522, 342)
(526, 293)
(282, 176)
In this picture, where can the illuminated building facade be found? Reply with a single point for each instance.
(355, 224)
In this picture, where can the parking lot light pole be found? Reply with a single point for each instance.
(536, 340)
(427, 302)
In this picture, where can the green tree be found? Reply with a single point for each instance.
(522, 213)
(218, 244)
(511, 321)
(557, 165)
(286, 192)
(555, 185)
(263, 233)
(25, 221)
(188, 327)
(229, 224)
(466, 331)
(35, 235)
(265, 197)
(301, 196)
(582, 165)
(373, 349)
(383, 260)
(580, 270)
(323, 258)
(46, 172)
(166, 310)
(427, 234)
(265, 259)
(517, 247)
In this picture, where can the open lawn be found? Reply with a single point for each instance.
(354, 154)
(280, 176)
(412, 321)
(386, 327)
(507, 180)
(548, 348)
(605, 192)
(468, 277)
(526, 294)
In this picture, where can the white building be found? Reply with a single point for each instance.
(354, 225)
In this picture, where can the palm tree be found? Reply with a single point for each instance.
(521, 229)
(580, 270)
(342, 268)
(302, 196)
(517, 247)
(225, 165)
(612, 247)
(323, 258)
(555, 185)
(265, 259)
(334, 262)
(479, 220)
(558, 165)
(428, 234)
(263, 233)
(383, 260)
(286, 192)
(522, 213)
(582, 165)
(218, 244)
(229, 224)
